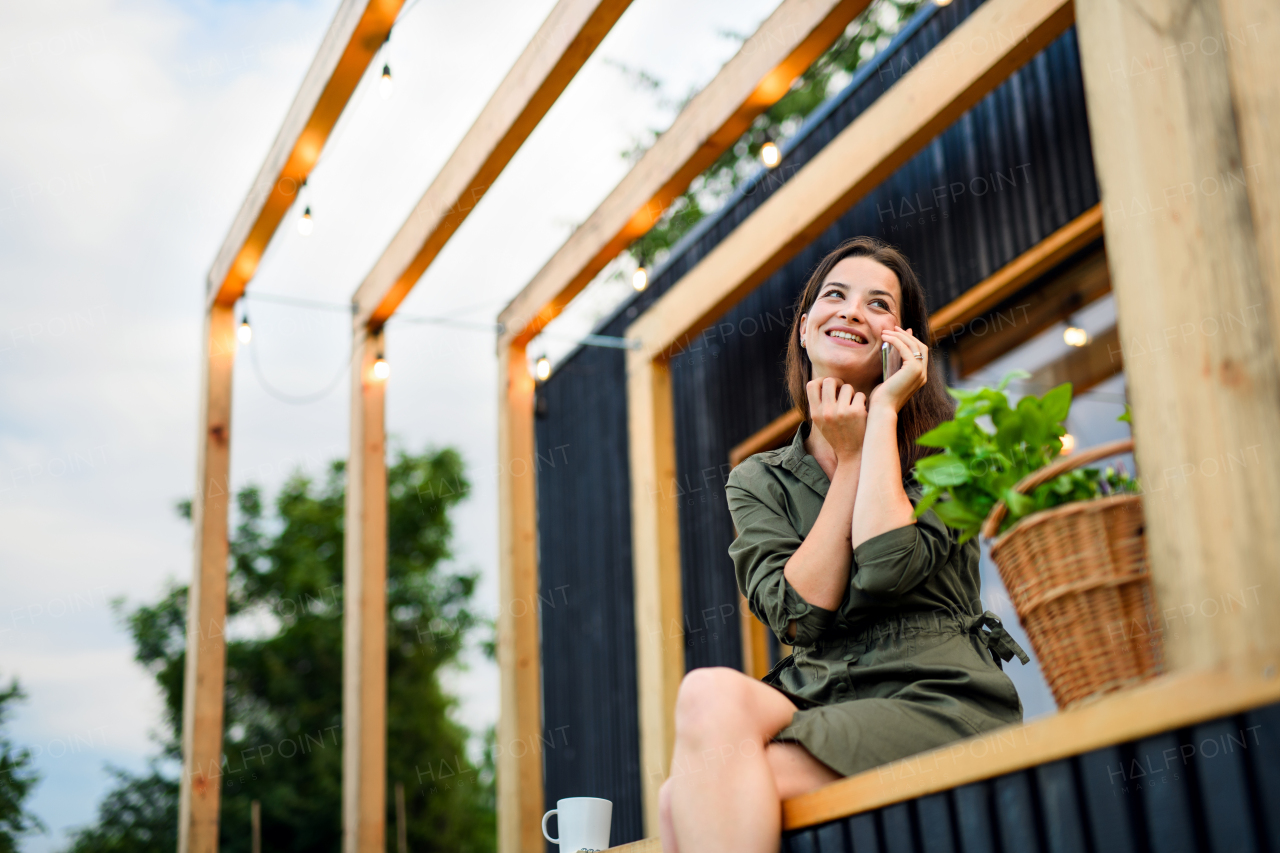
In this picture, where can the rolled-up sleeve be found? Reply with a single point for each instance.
(897, 561)
(765, 541)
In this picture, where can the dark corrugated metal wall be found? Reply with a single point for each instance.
(1212, 788)
(728, 384)
(584, 566)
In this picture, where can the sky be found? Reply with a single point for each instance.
(131, 132)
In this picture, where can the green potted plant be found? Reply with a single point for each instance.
(1068, 540)
(979, 467)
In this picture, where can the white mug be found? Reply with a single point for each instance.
(584, 824)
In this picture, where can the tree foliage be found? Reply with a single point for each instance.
(860, 41)
(283, 723)
(17, 778)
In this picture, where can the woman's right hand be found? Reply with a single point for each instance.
(840, 414)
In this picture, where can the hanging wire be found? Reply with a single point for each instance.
(296, 399)
(451, 321)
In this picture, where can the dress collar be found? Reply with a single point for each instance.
(798, 461)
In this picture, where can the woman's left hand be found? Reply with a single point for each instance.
(910, 378)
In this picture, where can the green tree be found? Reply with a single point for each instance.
(283, 730)
(17, 778)
(861, 40)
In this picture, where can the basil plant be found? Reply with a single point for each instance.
(990, 446)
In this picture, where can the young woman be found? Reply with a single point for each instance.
(883, 610)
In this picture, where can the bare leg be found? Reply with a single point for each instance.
(726, 779)
(665, 829)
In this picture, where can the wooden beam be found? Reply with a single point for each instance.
(520, 796)
(568, 36)
(998, 38)
(1162, 705)
(778, 432)
(364, 639)
(783, 47)
(1084, 367)
(359, 28)
(1251, 41)
(205, 666)
(655, 545)
(1021, 271)
(1010, 325)
(1195, 311)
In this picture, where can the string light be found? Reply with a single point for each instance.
(1074, 336)
(1068, 443)
(381, 369)
(770, 155)
(304, 222)
(385, 86)
(244, 334)
(542, 369)
(640, 279)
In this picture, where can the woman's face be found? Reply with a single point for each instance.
(858, 300)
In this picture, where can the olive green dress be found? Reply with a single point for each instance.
(904, 664)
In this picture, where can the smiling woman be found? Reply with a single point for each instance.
(884, 610)
(899, 299)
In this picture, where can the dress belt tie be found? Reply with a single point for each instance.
(996, 639)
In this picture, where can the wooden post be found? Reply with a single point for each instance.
(655, 537)
(202, 698)
(364, 650)
(519, 657)
(1250, 38)
(402, 828)
(1197, 321)
(255, 826)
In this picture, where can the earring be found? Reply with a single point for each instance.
(802, 343)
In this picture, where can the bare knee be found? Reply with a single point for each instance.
(711, 699)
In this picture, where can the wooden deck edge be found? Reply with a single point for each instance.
(1164, 704)
(647, 845)
(1167, 703)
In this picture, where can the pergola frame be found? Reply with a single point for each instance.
(1218, 393)
(1143, 145)
(568, 36)
(359, 28)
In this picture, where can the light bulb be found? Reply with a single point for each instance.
(1075, 336)
(385, 85)
(942, 2)
(640, 279)
(381, 369)
(542, 369)
(1068, 443)
(244, 334)
(770, 155)
(304, 222)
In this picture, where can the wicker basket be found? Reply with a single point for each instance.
(1077, 575)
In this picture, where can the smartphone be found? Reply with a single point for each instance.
(890, 359)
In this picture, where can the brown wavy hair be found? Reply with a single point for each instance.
(929, 406)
